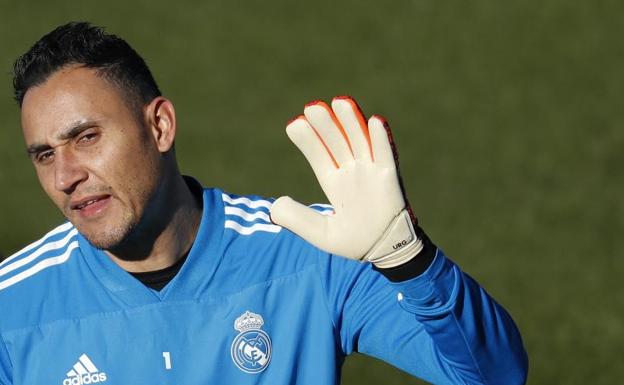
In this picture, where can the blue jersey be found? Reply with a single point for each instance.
(252, 304)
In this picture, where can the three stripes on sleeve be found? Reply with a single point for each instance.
(53, 249)
(248, 214)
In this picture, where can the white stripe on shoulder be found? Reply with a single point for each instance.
(44, 264)
(45, 248)
(247, 202)
(323, 209)
(322, 206)
(64, 227)
(246, 230)
(250, 217)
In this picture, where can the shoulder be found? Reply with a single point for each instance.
(247, 218)
(51, 250)
(253, 249)
(249, 235)
(247, 226)
(248, 214)
(27, 274)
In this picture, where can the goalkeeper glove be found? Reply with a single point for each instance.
(356, 166)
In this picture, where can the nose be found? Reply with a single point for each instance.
(68, 172)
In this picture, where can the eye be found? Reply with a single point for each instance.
(87, 138)
(45, 157)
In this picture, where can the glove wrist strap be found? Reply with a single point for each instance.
(398, 244)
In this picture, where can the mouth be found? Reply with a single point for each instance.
(91, 205)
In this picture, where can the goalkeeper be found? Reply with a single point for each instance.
(154, 279)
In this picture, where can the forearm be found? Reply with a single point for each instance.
(472, 334)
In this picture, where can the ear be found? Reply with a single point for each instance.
(161, 122)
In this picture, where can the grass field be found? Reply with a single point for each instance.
(508, 118)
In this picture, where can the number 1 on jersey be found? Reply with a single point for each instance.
(167, 357)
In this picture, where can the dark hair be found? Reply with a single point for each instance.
(83, 44)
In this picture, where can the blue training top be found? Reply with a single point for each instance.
(252, 304)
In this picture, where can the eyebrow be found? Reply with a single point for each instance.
(71, 132)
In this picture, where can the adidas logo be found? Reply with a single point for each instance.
(84, 372)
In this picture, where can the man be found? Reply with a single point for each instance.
(154, 280)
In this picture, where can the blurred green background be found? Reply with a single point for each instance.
(508, 117)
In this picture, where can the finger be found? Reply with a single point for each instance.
(322, 118)
(386, 154)
(383, 145)
(350, 115)
(311, 145)
(308, 223)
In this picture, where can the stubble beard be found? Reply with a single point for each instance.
(112, 236)
(131, 236)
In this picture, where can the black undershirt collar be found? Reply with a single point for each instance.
(160, 278)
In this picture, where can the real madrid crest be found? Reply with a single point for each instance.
(251, 349)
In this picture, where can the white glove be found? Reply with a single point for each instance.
(355, 166)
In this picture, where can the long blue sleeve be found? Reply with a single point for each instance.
(440, 326)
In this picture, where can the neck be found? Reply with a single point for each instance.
(167, 231)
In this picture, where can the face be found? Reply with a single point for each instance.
(93, 158)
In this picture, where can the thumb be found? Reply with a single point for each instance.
(308, 223)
